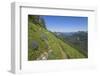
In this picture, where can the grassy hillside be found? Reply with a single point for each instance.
(43, 44)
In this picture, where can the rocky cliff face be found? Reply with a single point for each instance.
(36, 19)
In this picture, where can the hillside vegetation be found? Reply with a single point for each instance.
(44, 45)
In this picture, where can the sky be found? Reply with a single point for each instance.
(66, 23)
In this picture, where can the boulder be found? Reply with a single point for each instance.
(35, 45)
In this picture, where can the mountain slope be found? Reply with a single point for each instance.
(43, 44)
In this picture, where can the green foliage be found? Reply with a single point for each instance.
(60, 49)
(36, 19)
(77, 40)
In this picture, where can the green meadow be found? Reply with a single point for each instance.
(45, 45)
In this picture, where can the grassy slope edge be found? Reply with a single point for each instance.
(60, 50)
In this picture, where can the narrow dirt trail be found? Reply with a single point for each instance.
(62, 52)
(44, 55)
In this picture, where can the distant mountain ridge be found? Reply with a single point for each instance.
(69, 33)
(45, 45)
(77, 39)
